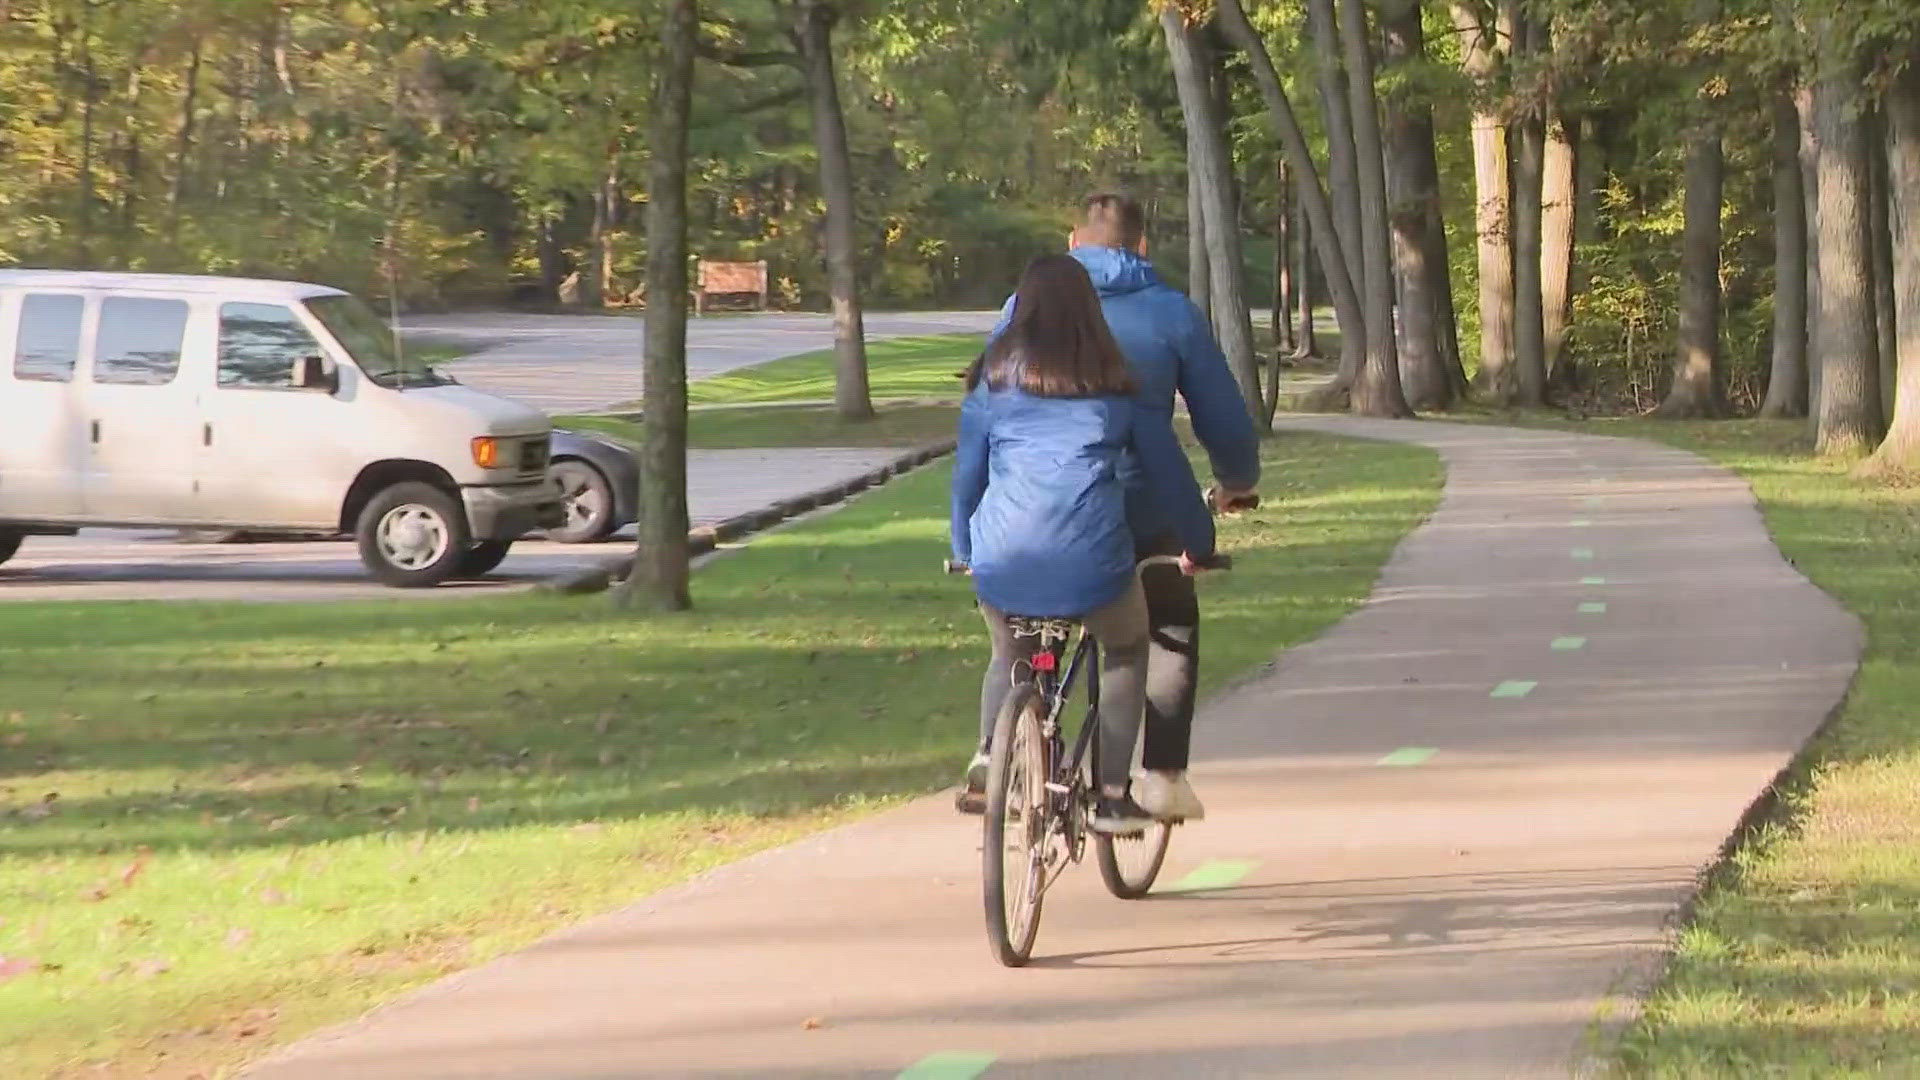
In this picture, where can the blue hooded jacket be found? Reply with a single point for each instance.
(1040, 506)
(1169, 344)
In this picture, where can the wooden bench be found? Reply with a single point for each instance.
(729, 279)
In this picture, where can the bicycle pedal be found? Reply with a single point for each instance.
(970, 802)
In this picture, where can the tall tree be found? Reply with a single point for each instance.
(1317, 208)
(1528, 384)
(1848, 341)
(1483, 48)
(1211, 167)
(1199, 281)
(1900, 452)
(1787, 382)
(1377, 392)
(659, 578)
(1559, 224)
(1880, 233)
(1803, 103)
(813, 22)
(1698, 387)
(1336, 113)
(1413, 181)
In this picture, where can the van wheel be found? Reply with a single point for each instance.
(483, 557)
(589, 503)
(413, 536)
(10, 543)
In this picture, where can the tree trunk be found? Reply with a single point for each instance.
(659, 579)
(1699, 388)
(1787, 384)
(1199, 283)
(1558, 224)
(183, 148)
(1378, 391)
(1336, 110)
(1318, 223)
(814, 36)
(1306, 336)
(1881, 231)
(1849, 420)
(1414, 189)
(553, 263)
(1212, 168)
(83, 228)
(1810, 197)
(1900, 453)
(593, 291)
(1280, 322)
(1528, 386)
(1481, 55)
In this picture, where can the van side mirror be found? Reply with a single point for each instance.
(312, 373)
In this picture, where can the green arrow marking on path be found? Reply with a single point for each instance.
(1581, 523)
(1569, 644)
(1514, 689)
(1593, 581)
(1593, 608)
(1583, 554)
(948, 1065)
(1218, 874)
(1408, 755)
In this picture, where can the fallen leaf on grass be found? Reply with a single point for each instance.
(148, 969)
(135, 867)
(238, 936)
(14, 967)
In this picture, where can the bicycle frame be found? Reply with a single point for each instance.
(1056, 686)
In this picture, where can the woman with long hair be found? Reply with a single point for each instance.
(1039, 510)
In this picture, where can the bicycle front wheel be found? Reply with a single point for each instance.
(1013, 854)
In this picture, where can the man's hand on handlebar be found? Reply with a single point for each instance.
(1193, 567)
(1224, 500)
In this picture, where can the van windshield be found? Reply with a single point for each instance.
(370, 341)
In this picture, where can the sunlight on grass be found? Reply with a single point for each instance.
(224, 825)
(911, 367)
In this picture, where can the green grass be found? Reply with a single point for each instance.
(902, 425)
(913, 367)
(222, 826)
(1803, 958)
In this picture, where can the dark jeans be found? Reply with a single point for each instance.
(1173, 658)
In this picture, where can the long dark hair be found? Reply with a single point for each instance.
(1057, 343)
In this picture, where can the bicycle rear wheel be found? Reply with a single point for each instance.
(1130, 864)
(1013, 854)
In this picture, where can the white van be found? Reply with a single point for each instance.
(206, 402)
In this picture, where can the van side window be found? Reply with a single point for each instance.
(139, 342)
(49, 344)
(260, 344)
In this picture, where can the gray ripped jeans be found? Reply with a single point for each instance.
(1121, 628)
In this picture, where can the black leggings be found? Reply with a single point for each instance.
(1173, 658)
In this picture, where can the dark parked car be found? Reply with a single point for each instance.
(600, 482)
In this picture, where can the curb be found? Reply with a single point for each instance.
(705, 539)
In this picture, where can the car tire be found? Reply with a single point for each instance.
(413, 535)
(483, 558)
(10, 543)
(588, 497)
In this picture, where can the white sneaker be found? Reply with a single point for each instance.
(1168, 796)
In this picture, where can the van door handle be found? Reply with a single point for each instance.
(96, 432)
(206, 434)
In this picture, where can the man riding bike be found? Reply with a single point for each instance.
(1169, 345)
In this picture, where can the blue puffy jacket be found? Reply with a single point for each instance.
(1170, 346)
(1040, 505)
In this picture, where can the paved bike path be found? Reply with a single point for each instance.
(1447, 839)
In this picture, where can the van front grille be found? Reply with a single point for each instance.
(533, 455)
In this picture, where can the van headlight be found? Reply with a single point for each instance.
(486, 452)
